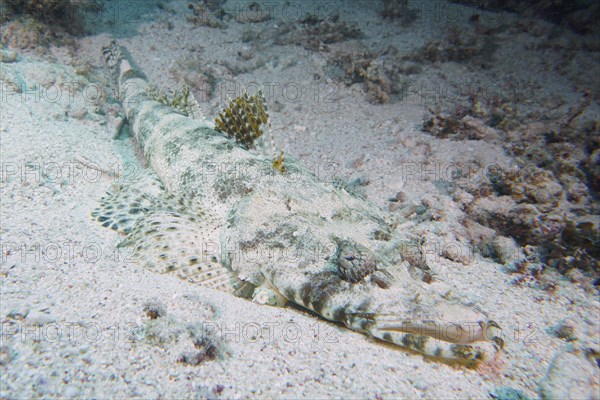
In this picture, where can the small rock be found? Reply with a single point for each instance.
(394, 206)
(78, 113)
(8, 56)
(40, 318)
(570, 376)
(460, 254)
(575, 276)
(114, 125)
(400, 197)
(154, 309)
(58, 116)
(463, 198)
(358, 162)
(300, 128)
(506, 393)
(382, 278)
(218, 389)
(563, 331)
(19, 313)
(6, 355)
(420, 384)
(505, 250)
(72, 392)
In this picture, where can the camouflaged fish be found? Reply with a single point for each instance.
(216, 213)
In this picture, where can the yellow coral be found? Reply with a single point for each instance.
(184, 101)
(278, 162)
(243, 119)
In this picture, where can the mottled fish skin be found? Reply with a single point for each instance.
(227, 219)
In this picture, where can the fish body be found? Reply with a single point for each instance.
(220, 215)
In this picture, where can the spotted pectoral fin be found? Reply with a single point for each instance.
(466, 342)
(168, 233)
(171, 242)
(128, 202)
(134, 198)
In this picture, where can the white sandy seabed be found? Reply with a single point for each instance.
(74, 308)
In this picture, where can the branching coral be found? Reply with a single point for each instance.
(383, 74)
(243, 121)
(459, 44)
(547, 199)
(279, 162)
(398, 10)
(56, 15)
(207, 14)
(315, 33)
(581, 16)
(183, 101)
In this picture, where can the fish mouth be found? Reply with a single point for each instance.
(476, 341)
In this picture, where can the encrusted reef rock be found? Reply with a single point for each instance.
(546, 199)
(571, 375)
(581, 16)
